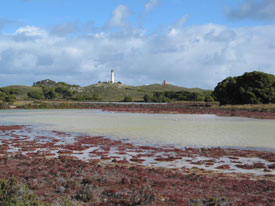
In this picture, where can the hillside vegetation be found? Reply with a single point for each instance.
(102, 91)
(250, 88)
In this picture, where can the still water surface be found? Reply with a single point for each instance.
(175, 129)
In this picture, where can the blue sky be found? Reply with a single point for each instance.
(189, 43)
(45, 13)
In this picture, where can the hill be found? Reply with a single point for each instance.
(168, 87)
(117, 91)
(113, 92)
(102, 91)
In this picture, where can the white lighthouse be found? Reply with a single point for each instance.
(112, 76)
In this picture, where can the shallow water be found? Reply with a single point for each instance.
(163, 129)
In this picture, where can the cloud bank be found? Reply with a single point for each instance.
(253, 9)
(190, 56)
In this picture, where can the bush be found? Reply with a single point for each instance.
(147, 98)
(36, 95)
(3, 105)
(49, 93)
(127, 99)
(209, 99)
(10, 98)
(64, 92)
(199, 98)
(250, 88)
(8, 94)
(2, 96)
(177, 96)
(14, 193)
(209, 202)
(86, 97)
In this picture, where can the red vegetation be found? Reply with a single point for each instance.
(223, 167)
(166, 159)
(123, 184)
(11, 127)
(111, 179)
(134, 159)
(187, 109)
(252, 166)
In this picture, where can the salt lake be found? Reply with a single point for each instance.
(161, 129)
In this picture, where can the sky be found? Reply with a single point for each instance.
(190, 43)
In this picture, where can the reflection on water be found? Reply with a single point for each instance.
(179, 129)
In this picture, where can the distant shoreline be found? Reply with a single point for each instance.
(260, 111)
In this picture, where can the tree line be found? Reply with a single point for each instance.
(168, 96)
(250, 88)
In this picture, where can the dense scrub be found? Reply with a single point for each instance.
(3, 105)
(250, 88)
(14, 193)
(179, 96)
(102, 91)
(9, 94)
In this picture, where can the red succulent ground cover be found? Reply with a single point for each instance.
(129, 184)
(5, 128)
(52, 170)
(190, 110)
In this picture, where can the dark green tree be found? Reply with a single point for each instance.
(147, 98)
(36, 95)
(49, 93)
(10, 98)
(250, 88)
(64, 92)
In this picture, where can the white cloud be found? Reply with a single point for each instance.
(31, 31)
(197, 56)
(253, 9)
(178, 26)
(120, 17)
(151, 5)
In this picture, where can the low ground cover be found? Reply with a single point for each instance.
(59, 174)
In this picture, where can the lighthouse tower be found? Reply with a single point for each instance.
(112, 76)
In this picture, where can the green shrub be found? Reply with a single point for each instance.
(64, 92)
(3, 105)
(127, 99)
(7, 95)
(209, 202)
(209, 99)
(49, 93)
(147, 98)
(13, 193)
(10, 98)
(36, 95)
(199, 98)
